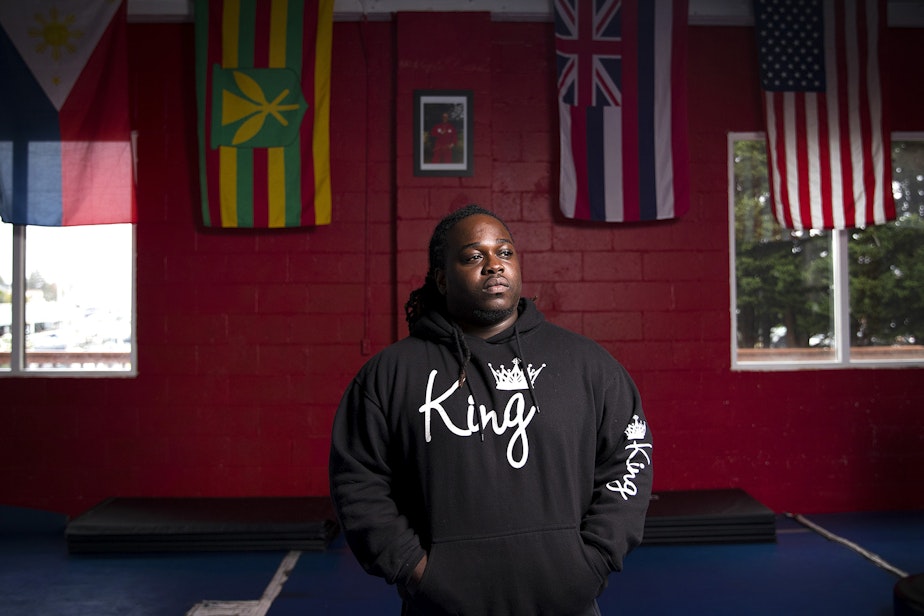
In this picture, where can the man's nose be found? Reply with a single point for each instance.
(493, 265)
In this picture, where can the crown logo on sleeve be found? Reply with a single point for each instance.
(636, 430)
(514, 379)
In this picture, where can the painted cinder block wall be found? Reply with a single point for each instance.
(246, 339)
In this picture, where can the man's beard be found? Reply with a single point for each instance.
(491, 317)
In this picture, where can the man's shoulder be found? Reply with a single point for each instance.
(567, 335)
(573, 344)
(401, 351)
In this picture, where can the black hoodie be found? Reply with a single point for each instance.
(526, 481)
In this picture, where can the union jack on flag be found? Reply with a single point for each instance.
(622, 108)
(589, 64)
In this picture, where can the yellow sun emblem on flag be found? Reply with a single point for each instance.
(55, 33)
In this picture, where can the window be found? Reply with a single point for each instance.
(67, 300)
(803, 299)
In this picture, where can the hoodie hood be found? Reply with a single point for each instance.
(436, 326)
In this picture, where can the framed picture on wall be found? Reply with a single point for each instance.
(443, 132)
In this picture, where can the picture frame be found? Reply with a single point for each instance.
(443, 133)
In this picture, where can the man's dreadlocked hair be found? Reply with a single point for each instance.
(428, 297)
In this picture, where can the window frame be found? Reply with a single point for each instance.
(840, 291)
(18, 364)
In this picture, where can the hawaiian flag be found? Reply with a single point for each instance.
(622, 109)
(65, 136)
(263, 90)
(827, 140)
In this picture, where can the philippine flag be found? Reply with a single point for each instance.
(66, 154)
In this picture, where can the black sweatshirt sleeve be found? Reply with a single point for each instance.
(615, 520)
(379, 535)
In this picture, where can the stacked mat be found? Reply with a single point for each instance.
(203, 524)
(308, 523)
(707, 516)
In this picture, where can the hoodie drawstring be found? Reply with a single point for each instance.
(464, 356)
(529, 380)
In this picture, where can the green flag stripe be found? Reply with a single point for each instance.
(244, 187)
(202, 50)
(246, 34)
(293, 162)
(294, 36)
(293, 157)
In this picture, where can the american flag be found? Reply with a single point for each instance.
(827, 142)
(622, 108)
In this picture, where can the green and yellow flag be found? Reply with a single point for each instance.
(263, 92)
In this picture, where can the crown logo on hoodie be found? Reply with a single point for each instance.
(514, 379)
(636, 430)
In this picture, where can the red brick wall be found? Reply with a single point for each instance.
(246, 339)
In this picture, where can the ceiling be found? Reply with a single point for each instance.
(901, 13)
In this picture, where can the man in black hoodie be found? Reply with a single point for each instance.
(491, 462)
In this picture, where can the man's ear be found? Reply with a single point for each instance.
(440, 277)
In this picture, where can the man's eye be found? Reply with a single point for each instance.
(471, 258)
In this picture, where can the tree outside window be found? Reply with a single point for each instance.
(826, 297)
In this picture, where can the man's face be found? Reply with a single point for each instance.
(481, 280)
